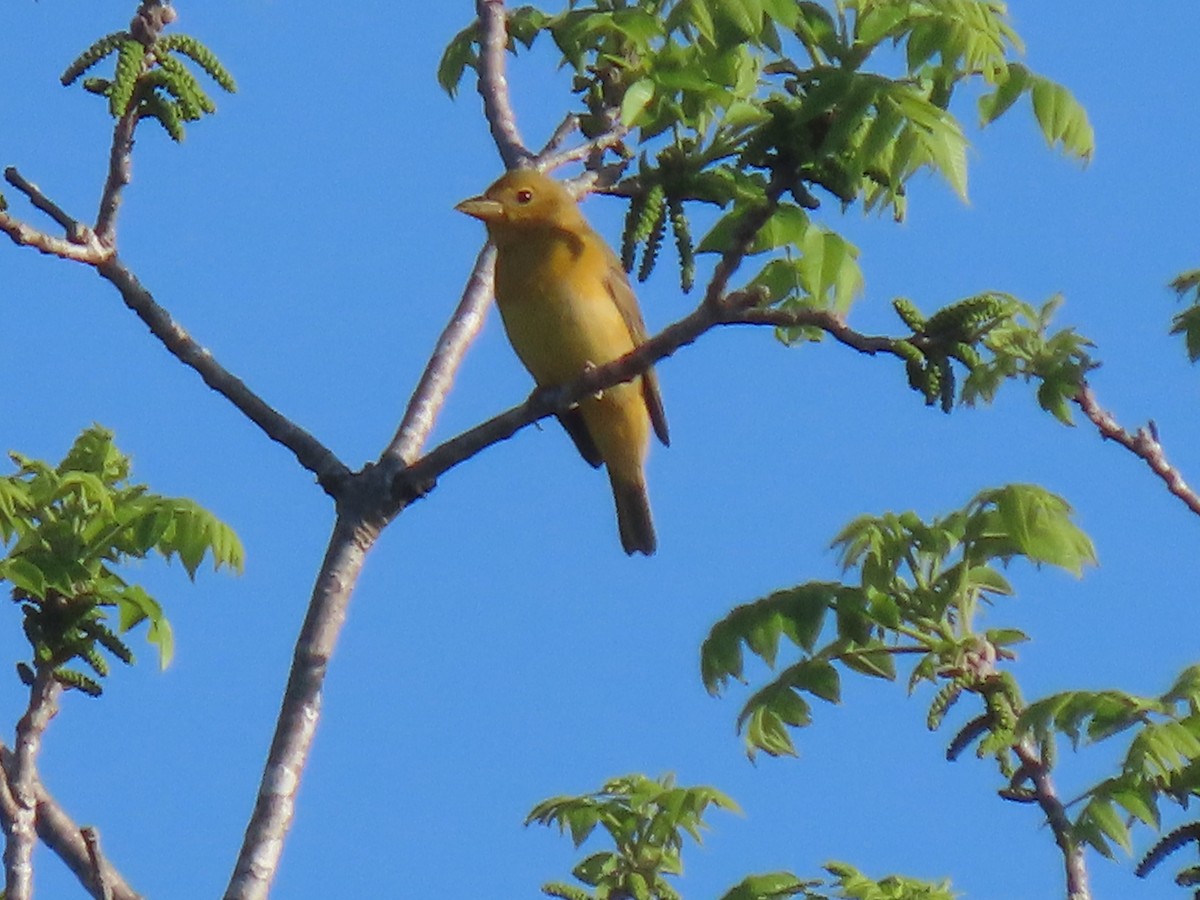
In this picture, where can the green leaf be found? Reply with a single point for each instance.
(593, 868)
(876, 663)
(988, 579)
(1040, 525)
(1105, 817)
(742, 17)
(829, 268)
(459, 54)
(786, 227)
(938, 137)
(1062, 119)
(1005, 637)
(1140, 803)
(768, 887)
(796, 613)
(1187, 323)
(24, 575)
(636, 99)
(160, 635)
(1008, 89)
(766, 731)
(877, 22)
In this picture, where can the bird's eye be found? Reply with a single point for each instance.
(524, 197)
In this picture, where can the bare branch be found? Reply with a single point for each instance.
(40, 200)
(309, 452)
(262, 846)
(493, 85)
(1143, 444)
(89, 247)
(63, 836)
(829, 322)
(564, 130)
(21, 772)
(80, 244)
(92, 253)
(120, 173)
(1055, 811)
(550, 158)
(437, 379)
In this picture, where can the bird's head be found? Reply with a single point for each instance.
(523, 200)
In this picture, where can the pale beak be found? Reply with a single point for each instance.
(482, 208)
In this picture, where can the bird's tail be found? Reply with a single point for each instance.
(633, 515)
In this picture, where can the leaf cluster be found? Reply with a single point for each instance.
(1021, 345)
(1161, 760)
(150, 80)
(1187, 288)
(750, 93)
(66, 530)
(918, 592)
(646, 820)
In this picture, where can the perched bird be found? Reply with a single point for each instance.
(567, 306)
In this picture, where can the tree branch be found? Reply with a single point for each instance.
(422, 474)
(66, 839)
(21, 772)
(1142, 444)
(120, 174)
(551, 158)
(40, 200)
(493, 85)
(437, 379)
(27, 236)
(80, 244)
(309, 452)
(262, 846)
(1047, 798)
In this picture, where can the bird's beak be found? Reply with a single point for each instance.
(481, 208)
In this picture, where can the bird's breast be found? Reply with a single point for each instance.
(557, 309)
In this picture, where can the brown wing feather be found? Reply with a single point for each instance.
(623, 297)
(572, 422)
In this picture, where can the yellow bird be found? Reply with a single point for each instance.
(567, 306)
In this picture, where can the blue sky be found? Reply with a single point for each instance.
(501, 649)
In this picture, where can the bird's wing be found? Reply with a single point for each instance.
(572, 422)
(623, 296)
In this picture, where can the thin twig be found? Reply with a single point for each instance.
(493, 84)
(564, 130)
(21, 773)
(1074, 863)
(1143, 444)
(550, 159)
(40, 200)
(262, 846)
(331, 472)
(452, 345)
